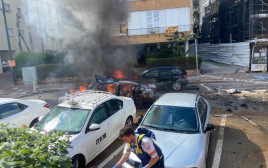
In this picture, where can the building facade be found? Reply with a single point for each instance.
(147, 21)
(32, 27)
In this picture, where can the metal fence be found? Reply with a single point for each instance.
(227, 53)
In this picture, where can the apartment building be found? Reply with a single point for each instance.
(17, 29)
(148, 20)
(32, 27)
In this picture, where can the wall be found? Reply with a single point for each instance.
(227, 53)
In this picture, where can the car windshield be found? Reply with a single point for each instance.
(172, 118)
(70, 120)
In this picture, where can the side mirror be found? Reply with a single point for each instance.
(139, 120)
(94, 127)
(209, 127)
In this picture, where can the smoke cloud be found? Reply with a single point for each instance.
(85, 27)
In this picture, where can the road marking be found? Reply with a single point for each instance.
(251, 122)
(107, 160)
(205, 87)
(218, 151)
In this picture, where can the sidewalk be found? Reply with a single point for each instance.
(8, 90)
(210, 72)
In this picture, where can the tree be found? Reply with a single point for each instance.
(181, 37)
(22, 147)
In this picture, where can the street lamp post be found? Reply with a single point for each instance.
(8, 42)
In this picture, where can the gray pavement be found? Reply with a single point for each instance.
(210, 72)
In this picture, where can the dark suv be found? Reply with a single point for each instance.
(167, 77)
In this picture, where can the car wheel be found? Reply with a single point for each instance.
(138, 103)
(33, 123)
(78, 162)
(176, 86)
(129, 122)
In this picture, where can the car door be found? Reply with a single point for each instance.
(97, 140)
(16, 114)
(118, 115)
(203, 110)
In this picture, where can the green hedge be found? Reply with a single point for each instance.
(28, 59)
(47, 71)
(185, 63)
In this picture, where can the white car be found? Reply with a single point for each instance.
(180, 122)
(93, 119)
(19, 113)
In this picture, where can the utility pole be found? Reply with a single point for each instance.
(8, 42)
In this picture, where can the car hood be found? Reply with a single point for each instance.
(180, 150)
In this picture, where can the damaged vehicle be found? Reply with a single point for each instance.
(142, 95)
(166, 77)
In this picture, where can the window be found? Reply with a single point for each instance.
(202, 109)
(123, 29)
(19, 12)
(10, 32)
(172, 117)
(10, 109)
(114, 105)
(30, 37)
(7, 7)
(126, 89)
(99, 115)
(22, 33)
(165, 72)
(151, 74)
(176, 71)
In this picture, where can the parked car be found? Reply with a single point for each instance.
(93, 119)
(143, 95)
(180, 122)
(5, 66)
(19, 113)
(167, 77)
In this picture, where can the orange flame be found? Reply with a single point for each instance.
(111, 88)
(83, 87)
(118, 74)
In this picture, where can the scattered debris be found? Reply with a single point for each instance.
(236, 71)
(250, 90)
(233, 91)
(260, 77)
(244, 105)
(228, 103)
(232, 109)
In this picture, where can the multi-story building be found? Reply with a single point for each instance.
(17, 29)
(32, 26)
(148, 20)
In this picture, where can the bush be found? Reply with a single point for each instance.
(46, 71)
(28, 59)
(191, 62)
(22, 147)
(185, 63)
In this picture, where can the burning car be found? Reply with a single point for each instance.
(143, 95)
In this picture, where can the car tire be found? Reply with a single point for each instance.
(33, 122)
(176, 86)
(78, 162)
(129, 122)
(138, 103)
